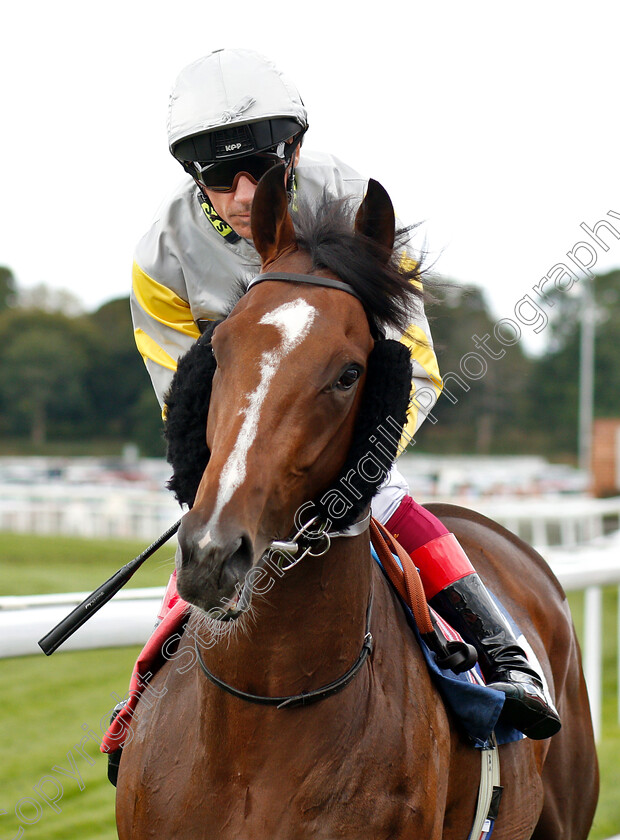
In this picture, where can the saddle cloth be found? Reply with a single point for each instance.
(477, 708)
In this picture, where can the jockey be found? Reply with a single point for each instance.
(232, 116)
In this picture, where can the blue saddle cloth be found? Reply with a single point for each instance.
(476, 707)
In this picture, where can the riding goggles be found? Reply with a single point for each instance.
(224, 176)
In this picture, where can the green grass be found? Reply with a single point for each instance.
(607, 819)
(32, 565)
(46, 702)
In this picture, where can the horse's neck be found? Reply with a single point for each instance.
(304, 631)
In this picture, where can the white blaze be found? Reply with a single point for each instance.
(294, 320)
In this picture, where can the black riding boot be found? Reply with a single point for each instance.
(467, 605)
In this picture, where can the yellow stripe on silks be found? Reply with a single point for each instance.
(407, 263)
(162, 304)
(150, 349)
(417, 342)
(421, 350)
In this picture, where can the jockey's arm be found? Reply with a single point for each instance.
(426, 381)
(164, 328)
(426, 384)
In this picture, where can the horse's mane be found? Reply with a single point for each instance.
(383, 279)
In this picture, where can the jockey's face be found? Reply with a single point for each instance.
(235, 207)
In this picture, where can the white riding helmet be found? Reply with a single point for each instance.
(230, 104)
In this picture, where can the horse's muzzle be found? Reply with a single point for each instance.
(213, 569)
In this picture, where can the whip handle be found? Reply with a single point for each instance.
(90, 605)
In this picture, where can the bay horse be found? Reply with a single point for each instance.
(377, 755)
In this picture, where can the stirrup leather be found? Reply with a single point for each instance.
(454, 655)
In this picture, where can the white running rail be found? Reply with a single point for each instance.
(129, 617)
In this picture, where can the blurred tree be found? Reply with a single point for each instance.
(44, 361)
(8, 288)
(81, 377)
(554, 387)
(76, 378)
(607, 347)
(48, 299)
(484, 403)
(119, 385)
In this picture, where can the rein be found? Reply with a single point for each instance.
(306, 697)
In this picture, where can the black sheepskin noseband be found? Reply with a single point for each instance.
(376, 436)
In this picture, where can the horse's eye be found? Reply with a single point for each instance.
(348, 378)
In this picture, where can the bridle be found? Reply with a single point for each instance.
(297, 545)
(301, 545)
(314, 280)
(310, 279)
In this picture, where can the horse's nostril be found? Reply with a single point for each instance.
(212, 570)
(238, 564)
(186, 548)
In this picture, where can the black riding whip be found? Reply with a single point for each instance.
(89, 606)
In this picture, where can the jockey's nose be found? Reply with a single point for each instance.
(245, 189)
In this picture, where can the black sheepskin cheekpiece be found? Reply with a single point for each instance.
(375, 442)
(187, 407)
(378, 428)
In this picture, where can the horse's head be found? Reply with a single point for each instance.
(291, 363)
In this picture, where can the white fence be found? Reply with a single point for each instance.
(125, 497)
(87, 510)
(588, 569)
(552, 521)
(568, 529)
(93, 510)
(128, 619)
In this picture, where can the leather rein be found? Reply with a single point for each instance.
(306, 697)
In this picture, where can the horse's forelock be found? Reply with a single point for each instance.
(382, 280)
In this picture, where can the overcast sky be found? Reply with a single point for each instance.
(496, 125)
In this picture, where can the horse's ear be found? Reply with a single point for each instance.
(375, 217)
(272, 226)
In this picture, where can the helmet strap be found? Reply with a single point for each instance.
(290, 181)
(219, 225)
